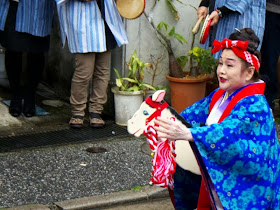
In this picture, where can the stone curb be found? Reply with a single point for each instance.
(146, 193)
(30, 207)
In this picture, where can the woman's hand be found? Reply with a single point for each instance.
(202, 11)
(215, 18)
(172, 130)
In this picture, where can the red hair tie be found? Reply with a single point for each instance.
(239, 48)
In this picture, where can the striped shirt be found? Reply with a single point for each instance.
(33, 16)
(82, 26)
(249, 14)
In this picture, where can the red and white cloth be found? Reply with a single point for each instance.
(239, 48)
(164, 159)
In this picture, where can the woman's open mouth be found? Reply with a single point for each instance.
(222, 80)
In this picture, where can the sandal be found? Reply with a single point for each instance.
(76, 121)
(95, 120)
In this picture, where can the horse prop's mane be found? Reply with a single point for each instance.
(177, 116)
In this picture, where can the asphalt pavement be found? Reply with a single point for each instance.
(110, 173)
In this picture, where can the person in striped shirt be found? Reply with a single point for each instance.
(25, 27)
(227, 15)
(92, 29)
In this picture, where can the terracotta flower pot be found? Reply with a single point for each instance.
(186, 91)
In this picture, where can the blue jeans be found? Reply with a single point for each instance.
(270, 52)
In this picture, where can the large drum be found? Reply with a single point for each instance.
(130, 9)
(205, 30)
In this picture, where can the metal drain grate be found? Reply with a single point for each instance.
(61, 137)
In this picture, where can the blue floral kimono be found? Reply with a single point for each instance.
(241, 152)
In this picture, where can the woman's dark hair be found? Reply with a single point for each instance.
(248, 34)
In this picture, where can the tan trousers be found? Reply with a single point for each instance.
(89, 66)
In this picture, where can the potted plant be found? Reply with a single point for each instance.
(154, 71)
(128, 92)
(185, 87)
(186, 91)
(205, 63)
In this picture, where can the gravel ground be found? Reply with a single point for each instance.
(49, 175)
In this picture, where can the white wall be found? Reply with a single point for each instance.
(142, 36)
(3, 76)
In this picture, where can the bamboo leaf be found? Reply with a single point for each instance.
(117, 73)
(173, 9)
(180, 38)
(159, 26)
(172, 31)
(130, 80)
(133, 88)
(118, 82)
(148, 86)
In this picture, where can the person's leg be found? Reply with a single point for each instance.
(100, 81)
(270, 52)
(278, 76)
(186, 189)
(79, 86)
(35, 68)
(13, 64)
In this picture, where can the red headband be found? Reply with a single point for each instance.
(239, 48)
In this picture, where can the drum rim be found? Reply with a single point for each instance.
(136, 15)
(205, 30)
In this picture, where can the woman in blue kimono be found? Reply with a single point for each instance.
(237, 149)
(25, 27)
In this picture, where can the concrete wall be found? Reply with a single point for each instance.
(143, 38)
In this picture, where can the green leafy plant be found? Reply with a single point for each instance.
(201, 61)
(135, 77)
(175, 69)
(171, 33)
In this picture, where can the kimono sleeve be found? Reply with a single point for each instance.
(198, 112)
(249, 129)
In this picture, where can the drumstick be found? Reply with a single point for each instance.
(196, 27)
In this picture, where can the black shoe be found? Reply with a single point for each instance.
(14, 112)
(15, 107)
(29, 110)
(29, 114)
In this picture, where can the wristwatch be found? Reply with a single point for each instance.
(219, 13)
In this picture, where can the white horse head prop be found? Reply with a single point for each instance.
(152, 107)
(139, 121)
